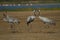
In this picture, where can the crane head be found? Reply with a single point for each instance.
(36, 12)
(5, 14)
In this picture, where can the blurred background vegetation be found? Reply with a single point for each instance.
(27, 1)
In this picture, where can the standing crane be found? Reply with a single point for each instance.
(10, 20)
(30, 19)
(46, 20)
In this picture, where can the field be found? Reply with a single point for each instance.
(38, 30)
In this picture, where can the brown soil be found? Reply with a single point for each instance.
(39, 31)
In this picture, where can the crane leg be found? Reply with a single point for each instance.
(47, 26)
(13, 29)
(29, 28)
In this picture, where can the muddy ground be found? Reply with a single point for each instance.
(37, 30)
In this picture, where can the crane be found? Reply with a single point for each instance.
(30, 19)
(46, 20)
(10, 20)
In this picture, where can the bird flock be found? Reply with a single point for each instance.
(12, 20)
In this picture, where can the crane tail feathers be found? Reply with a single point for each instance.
(27, 24)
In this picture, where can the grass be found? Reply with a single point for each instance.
(29, 9)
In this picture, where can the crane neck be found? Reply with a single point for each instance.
(37, 12)
(5, 15)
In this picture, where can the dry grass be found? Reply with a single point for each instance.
(39, 31)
